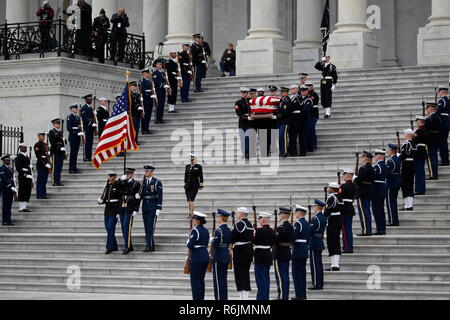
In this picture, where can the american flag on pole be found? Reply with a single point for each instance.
(119, 134)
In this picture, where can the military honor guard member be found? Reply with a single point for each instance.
(407, 169)
(327, 84)
(263, 241)
(312, 136)
(148, 95)
(302, 233)
(379, 191)
(198, 244)
(184, 59)
(246, 134)
(242, 240)
(76, 135)
(221, 255)
(89, 126)
(295, 115)
(174, 78)
(199, 60)
(102, 114)
(364, 182)
(260, 92)
(57, 151)
(333, 208)
(130, 206)
(393, 184)
(22, 162)
(7, 189)
(443, 111)
(282, 253)
(348, 194)
(160, 87)
(433, 126)
(284, 119)
(43, 166)
(111, 198)
(273, 91)
(137, 110)
(307, 107)
(318, 225)
(303, 78)
(420, 140)
(151, 193)
(193, 181)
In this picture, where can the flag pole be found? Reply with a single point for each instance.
(125, 144)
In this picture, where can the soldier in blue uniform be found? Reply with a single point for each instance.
(328, 83)
(130, 206)
(151, 194)
(407, 169)
(198, 244)
(160, 87)
(111, 198)
(348, 193)
(43, 166)
(184, 59)
(312, 137)
(302, 233)
(89, 126)
(75, 135)
(433, 126)
(283, 121)
(246, 133)
(333, 208)
(102, 114)
(443, 111)
(136, 108)
(318, 225)
(393, 184)
(148, 95)
(22, 162)
(379, 191)
(221, 255)
(263, 242)
(7, 189)
(420, 141)
(305, 123)
(364, 181)
(282, 253)
(242, 239)
(57, 151)
(199, 61)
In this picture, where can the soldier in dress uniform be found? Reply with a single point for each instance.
(283, 116)
(130, 206)
(300, 117)
(302, 233)
(318, 224)
(303, 79)
(273, 91)
(193, 181)
(102, 115)
(348, 193)
(43, 166)
(89, 126)
(327, 84)
(148, 95)
(312, 141)
(160, 87)
(137, 110)
(57, 151)
(443, 111)
(246, 134)
(364, 182)
(7, 189)
(184, 59)
(263, 242)
(433, 126)
(199, 61)
(379, 191)
(407, 169)
(393, 184)
(111, 198)
(75, 135)
(333, 208)
(172, 75)
(151, 194)
(242, 239)
(260, 92)
(295, 115)
(22, 162)
(199, 260)
(420, 140)
(221, 255)
(282, 253)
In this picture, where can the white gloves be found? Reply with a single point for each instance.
(137, 196)
(323, 59)
(29, 177)
(333, 87)
(190, 72)
(166, 86)
(204, 61)
(179, 78)
(80, 134)
(153, 96)
(63, 149)
(124, 177)
(118, 216)
(99, 201)
(158, 212)
(48, 165)
(142, 99)
(14, 189)
(94, 125)
(95, 112)
(134, 213)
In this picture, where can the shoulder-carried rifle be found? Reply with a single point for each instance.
(211, 248)
(290, 208)
(398, 140)
(423, 107)
(357, 164)
(255, 225)
(94, 117)
(187, 263)
(230, 264)
(338, 172)
(325, 189)
(309, 208)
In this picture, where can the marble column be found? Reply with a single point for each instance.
(264, 50)
(110, 7)
(17, 11)
(154, 23)
(308, 45)
(353, 45)
(433, 41)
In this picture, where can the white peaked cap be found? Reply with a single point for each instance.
(243, 210)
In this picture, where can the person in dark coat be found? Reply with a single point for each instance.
(348, 194)
(43, 166)
(318, 225)
(393, 185)
(7, 189)
(22, 163)
(102, 115)
(100, 27)
(193, 181)
(86, 27)
(228, 61)
(46, 15)
(407, 155)
(120, 23)
(433, 124)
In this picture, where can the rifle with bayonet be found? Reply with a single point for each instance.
(211, 248)
(187, 263)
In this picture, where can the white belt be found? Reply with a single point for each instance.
(335, 214)
(114, 200)
(262, 247)
(421, 144)
(444, 114)
(186, 64)
(347, 200)
(75, 128)
(301, 240)
(197, 247)
(241, 243)
(328, 78)
(378, 181)
(297, 111)
(409, 159)
(316, 107)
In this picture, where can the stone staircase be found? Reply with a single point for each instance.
(369, 107)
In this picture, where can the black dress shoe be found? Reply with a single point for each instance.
(315, 288)
(126, 251)
(443, 164)
(147, 249)
(393, 225)
(108, 251)
(380, 233)
(58, 185)
(8, 224)
(347, 252)
(153, 249)
(419, 194)
(364, 235)
(297, 298)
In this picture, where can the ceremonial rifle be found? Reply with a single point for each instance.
(411, 121)
(436, 92)
(47, 156)
(325, 192)
(338, 174)
(230, 264)
(290, 207)
(357, 163)
(187, 263)
(423, 107)
(211, 248)
(180, 81)
(398, 139)
(275, 212)
(94, 117)
(31, 166)
(166, 80)
(255, 225)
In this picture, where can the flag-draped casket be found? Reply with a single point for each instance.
(264, 105)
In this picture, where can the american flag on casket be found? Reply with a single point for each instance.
(264, 105)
